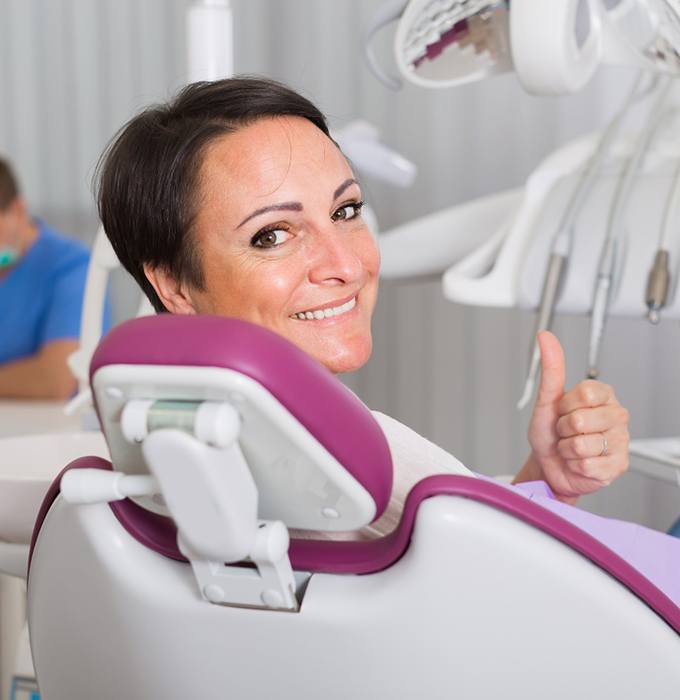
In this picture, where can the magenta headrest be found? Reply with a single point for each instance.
(322, 404)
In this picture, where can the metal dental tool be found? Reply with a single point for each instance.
(615, 226)
(561, 246)
(658, 280)
(657, 285)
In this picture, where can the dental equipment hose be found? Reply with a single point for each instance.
(615, 225)
(561, 246)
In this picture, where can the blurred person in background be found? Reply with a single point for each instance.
(42, 281)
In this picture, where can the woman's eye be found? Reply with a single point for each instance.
(347, 212)
(269, 238)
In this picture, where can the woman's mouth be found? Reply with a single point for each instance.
(328, 312)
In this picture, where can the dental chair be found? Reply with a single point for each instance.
(168, 573)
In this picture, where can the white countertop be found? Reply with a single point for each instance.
(658, 458)
(31, 417)
(36, 442)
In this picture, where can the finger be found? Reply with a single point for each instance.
(551, 388)
(591, 420)
(586, 394)
(600, 469)
(592, 445)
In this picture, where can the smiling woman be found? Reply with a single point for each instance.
(233, 200)
(282, 241)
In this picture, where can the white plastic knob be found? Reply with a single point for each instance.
(133, 421)
(80, 486)
(217, 424)
(271, 542)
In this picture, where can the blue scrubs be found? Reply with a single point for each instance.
(42, 295)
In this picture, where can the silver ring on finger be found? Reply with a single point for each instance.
(605, 446)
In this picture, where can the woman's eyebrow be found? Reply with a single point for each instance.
(284, 206)
(344, 186)
(295, 206)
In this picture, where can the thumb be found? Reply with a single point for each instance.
(553, 372)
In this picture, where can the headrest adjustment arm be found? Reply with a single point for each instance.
(192, 450)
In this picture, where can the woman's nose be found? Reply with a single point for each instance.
(336, 258)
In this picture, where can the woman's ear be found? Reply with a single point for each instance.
(175, 295)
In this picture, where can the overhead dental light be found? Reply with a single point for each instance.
(443, 43)
(554, 46)
(452, 42)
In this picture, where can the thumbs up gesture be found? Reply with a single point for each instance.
(579, 438)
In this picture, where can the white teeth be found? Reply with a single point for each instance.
(326, 313)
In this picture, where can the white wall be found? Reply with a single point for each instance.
(72, 71)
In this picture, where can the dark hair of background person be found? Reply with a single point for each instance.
(9, 190)
(148, 176)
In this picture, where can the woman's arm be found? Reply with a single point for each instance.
(579, 439)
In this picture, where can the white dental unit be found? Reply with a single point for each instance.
(593, 230)
(142, 588)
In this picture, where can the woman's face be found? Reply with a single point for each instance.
(282, 242)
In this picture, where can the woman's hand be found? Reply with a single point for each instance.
(579, 439)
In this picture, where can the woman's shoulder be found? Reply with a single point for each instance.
(414, 453)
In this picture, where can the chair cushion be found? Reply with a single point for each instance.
(324, 406)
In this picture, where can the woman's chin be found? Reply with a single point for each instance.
(339, 347)
(347, 359)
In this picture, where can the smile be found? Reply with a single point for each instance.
(330, 312)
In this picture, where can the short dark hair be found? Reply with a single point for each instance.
(9, 190)
(149, 174)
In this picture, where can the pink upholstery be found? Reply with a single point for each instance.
(330, 411)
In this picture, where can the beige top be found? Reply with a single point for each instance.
(413, 458)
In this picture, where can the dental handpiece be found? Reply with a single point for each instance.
(562, 241)
(600, 306)
(658, 280)
(615, 225)
(551, 285)
(657, 285)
